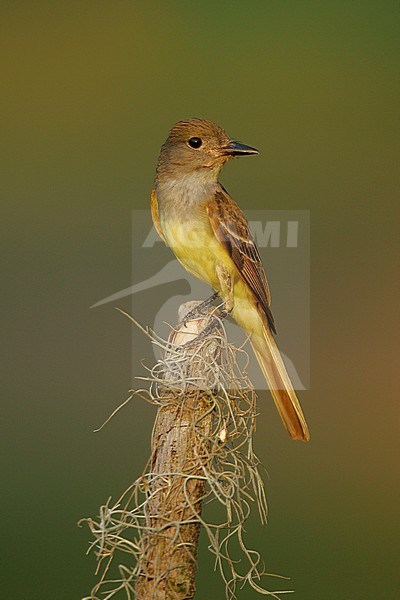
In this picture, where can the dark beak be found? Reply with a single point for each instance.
(238, 149)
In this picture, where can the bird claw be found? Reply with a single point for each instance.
(213, 324)
(197, 311)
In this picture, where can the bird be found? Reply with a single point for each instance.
(210, 236)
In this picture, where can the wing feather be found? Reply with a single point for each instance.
(230, 226)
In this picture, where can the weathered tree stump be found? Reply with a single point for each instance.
(180, 446)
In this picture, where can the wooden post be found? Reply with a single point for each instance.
(169, 541)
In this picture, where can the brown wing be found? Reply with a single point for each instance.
(154, 213)
(232, 229)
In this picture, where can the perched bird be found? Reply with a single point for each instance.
(211, 238)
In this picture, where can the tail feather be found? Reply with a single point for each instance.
(281, 387)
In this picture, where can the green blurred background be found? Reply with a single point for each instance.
(89, 92)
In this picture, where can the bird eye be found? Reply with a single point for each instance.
(195, 142)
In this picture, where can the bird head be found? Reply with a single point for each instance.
(198, 145)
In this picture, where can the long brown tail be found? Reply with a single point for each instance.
(281, 387)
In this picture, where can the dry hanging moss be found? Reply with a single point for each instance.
(202, 452)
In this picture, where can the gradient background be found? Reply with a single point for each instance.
(89, 92)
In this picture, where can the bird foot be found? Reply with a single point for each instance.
(198, 310)
(214, 323)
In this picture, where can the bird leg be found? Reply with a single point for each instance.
(226, 284)
(213, 324)
(198, 310)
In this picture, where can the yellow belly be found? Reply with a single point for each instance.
(199, 251)
(196, 247)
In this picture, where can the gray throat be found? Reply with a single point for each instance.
(186, 192)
